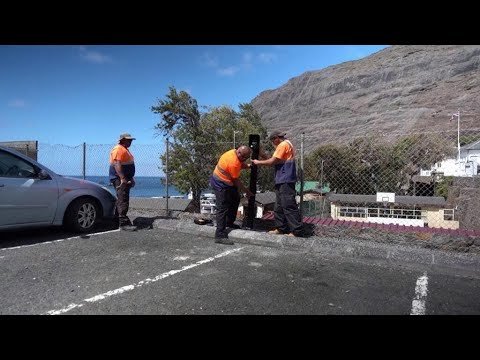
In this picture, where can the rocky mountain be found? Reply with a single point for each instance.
(398, 90)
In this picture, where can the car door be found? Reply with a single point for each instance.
(24, 197)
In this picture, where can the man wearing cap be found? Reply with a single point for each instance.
(121, 174)
(226, 184)
(287, 215)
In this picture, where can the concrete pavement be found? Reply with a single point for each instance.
(346, 245)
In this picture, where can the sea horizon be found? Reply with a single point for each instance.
(145, 186)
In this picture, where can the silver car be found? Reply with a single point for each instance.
(33, 195)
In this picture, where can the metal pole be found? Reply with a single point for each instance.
(254, 144)
(84, 158)
(458, 133)
(166, 175)
(234, 132)
(321, 176)
(301, 176)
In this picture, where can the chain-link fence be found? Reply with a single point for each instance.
(418, 179)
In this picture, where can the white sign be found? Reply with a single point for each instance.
(385, 197)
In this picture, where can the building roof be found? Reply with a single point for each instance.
(312, 186)
(400, 200)
(307, 185)
(422, 179)
(472, 146)
(265, 198)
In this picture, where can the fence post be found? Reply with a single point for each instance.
(166, 175)
(84, 158)
(301, 176)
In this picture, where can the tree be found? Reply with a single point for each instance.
(367, 165)
(199, 139)
(180, 120)
(337, 169)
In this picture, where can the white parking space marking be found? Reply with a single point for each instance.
(59, 240)
(139, 284)
(418, 303)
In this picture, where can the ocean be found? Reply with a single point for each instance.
(145, 186)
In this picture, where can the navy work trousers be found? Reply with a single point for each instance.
(226, 201)
(287, 215)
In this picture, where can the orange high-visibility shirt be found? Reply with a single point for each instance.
(286, 171)
(228, 167)
(124, 156)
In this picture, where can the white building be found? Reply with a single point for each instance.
(420, 211)
(468, 165)
(264, 202)
(207, 204)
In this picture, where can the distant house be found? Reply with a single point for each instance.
(311, 190)
(314, 198)
(264, 202)
(423, 185)
(468, 165)
(208, 204)
(312, 187)
(422, 211)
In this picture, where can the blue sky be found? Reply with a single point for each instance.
(63, 94)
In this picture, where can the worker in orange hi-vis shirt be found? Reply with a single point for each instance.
(121, 174)
(226, 185)
(287, 215)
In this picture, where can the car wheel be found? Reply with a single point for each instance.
(82, 215)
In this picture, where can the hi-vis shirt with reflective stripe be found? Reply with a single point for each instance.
(228, 168)
(285, 172)
(120, 153)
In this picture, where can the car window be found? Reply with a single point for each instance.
(13, 166)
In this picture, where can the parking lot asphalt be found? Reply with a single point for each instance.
(164, 272)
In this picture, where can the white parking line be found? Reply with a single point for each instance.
(139, 284)
(418, 303)
(59, 240)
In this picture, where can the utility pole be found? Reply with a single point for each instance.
(321, 175)
(302, 178)
(458, 132)
(84, 159)
(234, 143)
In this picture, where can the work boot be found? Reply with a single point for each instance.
(234, 226)
(124, 221)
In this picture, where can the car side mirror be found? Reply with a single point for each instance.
(43, 175)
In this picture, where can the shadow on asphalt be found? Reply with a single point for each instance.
(142, 222)
(12, 238)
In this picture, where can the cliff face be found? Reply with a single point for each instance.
(400, 89)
